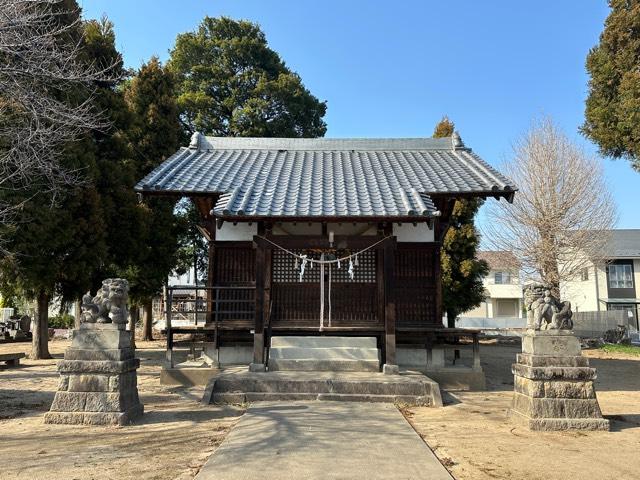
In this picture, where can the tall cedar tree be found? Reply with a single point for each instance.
(154, 136)
(65, 247)
(58, 241)
(461, 271)
(230, 83)
(612, 115)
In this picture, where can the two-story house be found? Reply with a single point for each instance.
(613, 284)
(502, 286)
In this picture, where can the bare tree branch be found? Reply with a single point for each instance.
(561, 216)
(41, 73)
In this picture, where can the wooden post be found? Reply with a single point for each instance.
(267, 284)
(438, 280)
(211, 280)
(169, 300)
(380, 288)
(258, 335)
(390, 366)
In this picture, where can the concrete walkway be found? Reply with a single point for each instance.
(323, 440)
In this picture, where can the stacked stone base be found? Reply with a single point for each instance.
(553, 385)
(98, 381)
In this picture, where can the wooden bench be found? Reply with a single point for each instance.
(11, 359)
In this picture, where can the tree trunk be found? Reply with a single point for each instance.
(451, 319)
(147, 320)
(134, 315)
(77, 310)
(40, 341)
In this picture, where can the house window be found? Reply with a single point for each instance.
(501, 278)
(620, 276)
(584, 274)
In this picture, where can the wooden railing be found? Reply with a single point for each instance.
(209, 308)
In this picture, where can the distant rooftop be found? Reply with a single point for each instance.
(499, 259)
(624, 243)
(322, 177)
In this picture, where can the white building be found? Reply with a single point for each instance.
(503, 290)
(612, 285)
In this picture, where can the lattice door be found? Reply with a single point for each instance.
(297, 303)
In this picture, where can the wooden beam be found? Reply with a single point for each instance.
(314, 241)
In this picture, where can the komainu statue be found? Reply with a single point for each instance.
(109, 305)
(542, 306)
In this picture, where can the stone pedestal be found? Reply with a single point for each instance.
(553, 384)
(98, 381)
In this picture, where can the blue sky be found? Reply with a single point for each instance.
(393, 68)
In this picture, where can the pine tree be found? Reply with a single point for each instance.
(612, 114)
(461, 271)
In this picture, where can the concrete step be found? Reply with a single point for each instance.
(240, 398)
(312, 365)
(324, 342)
(243, 386)
(333, 353)
(277, 383)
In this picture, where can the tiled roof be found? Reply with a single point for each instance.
(293, 177)
(624, 244)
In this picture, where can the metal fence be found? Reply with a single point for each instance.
(595, 324)
(585, 324)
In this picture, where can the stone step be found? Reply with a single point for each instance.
(308, 365)
(240, 398)
(323, 342)
(333, 353)
(272, 383)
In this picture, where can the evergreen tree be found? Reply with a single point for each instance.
(64, 246)
(461, 271)
(155, 135)
(612, 115)
(230, 83)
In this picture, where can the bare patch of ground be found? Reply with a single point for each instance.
(474, 438)
(173, 439)
(472, 435)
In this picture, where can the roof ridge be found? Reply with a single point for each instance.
(202, 142)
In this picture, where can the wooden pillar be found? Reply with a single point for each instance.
(211, 280)
(391, 365)
(169, 301)
(258, 336)
(268, 255)
(438, 279)
(380, 287)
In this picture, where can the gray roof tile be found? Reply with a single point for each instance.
(293, 177)
(624, 243)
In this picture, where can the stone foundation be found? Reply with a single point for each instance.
(98, 380)
(553, 384)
